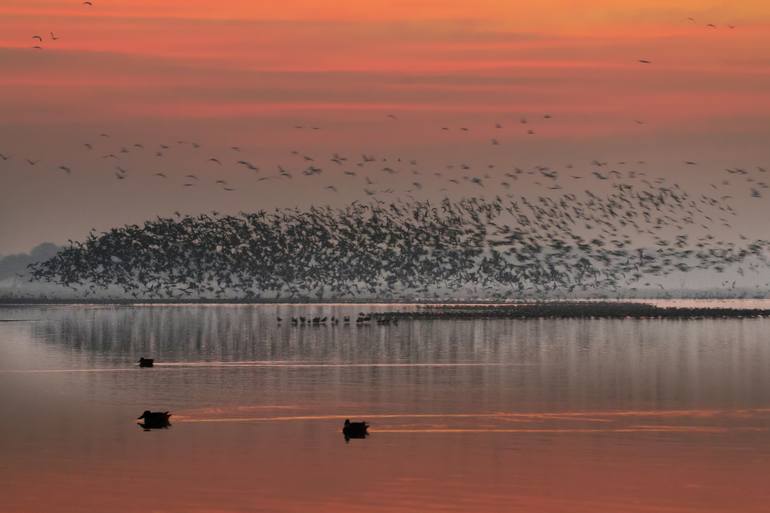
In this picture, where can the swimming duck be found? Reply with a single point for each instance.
(355, 429)
(146, 362)
(155, 419)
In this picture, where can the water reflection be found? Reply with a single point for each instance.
(540, 415)
(530, 364)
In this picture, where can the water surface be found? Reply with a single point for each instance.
(487, 415)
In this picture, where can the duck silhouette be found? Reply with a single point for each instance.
(146, 362)
(155, 420)
(355, 429)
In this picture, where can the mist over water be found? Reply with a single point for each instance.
(487, 415)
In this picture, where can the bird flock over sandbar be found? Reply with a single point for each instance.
(602, 226)
(503, 247)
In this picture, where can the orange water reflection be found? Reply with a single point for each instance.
(489, 416)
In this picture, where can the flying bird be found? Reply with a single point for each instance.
(248, 165)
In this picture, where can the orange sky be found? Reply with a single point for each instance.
(202, 56)
(245, 72)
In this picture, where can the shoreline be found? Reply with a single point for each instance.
(465, 310)
(364, 301)
(571, 310)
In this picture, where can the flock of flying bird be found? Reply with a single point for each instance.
(53, 37)
(501, 247)
(373, 175)
(628, 229)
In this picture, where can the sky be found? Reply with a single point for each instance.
(381, 78)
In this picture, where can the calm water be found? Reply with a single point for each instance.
(530, 416)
